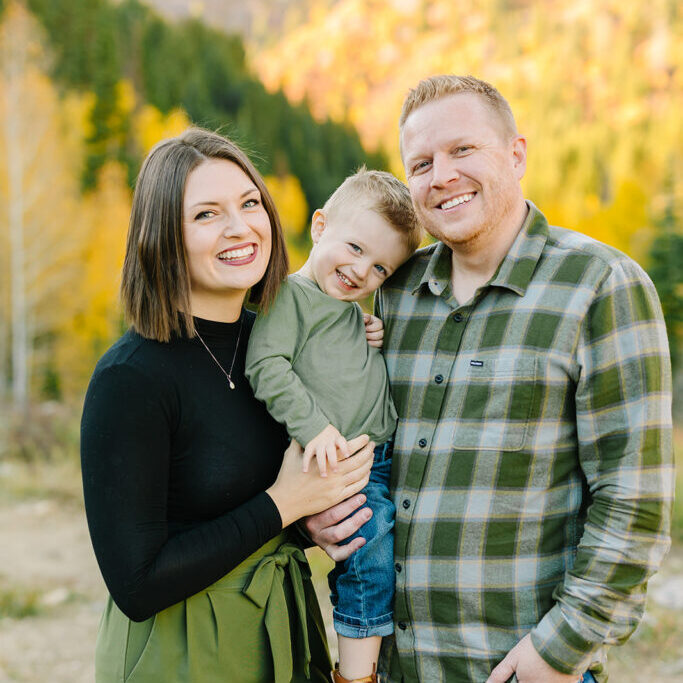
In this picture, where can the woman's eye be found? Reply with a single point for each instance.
(251, 203)
(204, 214)
(355, 247)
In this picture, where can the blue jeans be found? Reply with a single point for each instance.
(363, 585)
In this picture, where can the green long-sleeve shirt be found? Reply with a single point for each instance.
(310, 363)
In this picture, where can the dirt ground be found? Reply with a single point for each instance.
(51, 594)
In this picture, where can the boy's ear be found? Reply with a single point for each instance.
(318, 224)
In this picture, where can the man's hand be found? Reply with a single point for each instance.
(529, 666)
(374, 330)
(326, 528)
(324, 448)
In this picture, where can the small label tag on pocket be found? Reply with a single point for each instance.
(477, 363)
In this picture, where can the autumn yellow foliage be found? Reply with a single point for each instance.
(293, 210)
(596, 88)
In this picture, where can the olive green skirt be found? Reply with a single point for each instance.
(260, 623)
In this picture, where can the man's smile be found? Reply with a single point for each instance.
(456, 201)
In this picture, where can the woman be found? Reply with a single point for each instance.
(187, 495)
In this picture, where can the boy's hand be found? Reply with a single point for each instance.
(374, 330)
(324, 447)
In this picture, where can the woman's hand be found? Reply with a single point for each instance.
(298, 494)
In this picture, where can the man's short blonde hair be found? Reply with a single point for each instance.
(436, 87)
(382, 192)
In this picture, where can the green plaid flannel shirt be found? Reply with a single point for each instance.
(533, 461)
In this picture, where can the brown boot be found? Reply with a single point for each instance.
(372, 678)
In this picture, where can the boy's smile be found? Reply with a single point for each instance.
(353, 252)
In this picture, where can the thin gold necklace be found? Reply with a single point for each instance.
(234, 355)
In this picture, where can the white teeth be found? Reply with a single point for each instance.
(345, 280)
(236, 253)
(457, 200)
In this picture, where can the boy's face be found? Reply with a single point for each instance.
(354, 253)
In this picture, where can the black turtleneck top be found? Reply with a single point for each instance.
(175, 465)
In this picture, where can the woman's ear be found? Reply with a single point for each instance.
(318, 223)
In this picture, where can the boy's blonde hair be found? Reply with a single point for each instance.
(436, 87)
(383, 193)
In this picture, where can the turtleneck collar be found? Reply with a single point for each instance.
(217, 334)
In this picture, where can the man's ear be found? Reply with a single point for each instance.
(519, 156)
(318, 224)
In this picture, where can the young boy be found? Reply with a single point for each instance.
(310, 362)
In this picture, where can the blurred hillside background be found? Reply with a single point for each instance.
(312, 89)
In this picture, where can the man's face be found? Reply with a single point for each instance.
(463, 170)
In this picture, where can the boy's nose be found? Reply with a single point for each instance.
(361, 269)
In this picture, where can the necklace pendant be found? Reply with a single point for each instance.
(231, 383)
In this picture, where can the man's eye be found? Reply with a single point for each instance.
(355, 247)
(420, 166)
(464, 149)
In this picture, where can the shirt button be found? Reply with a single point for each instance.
(398, 567)
(406, 504)
(438, 379)
(458, 317)
(402, 625)
(422, 443)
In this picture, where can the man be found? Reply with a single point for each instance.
(532, 469)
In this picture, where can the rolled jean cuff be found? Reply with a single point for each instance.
(380, 626)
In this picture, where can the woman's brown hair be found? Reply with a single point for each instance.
(155, 287)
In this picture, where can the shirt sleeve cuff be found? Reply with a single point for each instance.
(266, 516)
(560, 645)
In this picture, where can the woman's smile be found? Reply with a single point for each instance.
(239, 256)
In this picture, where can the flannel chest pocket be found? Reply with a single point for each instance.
(497, 399)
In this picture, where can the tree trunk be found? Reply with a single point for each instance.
(14, 67)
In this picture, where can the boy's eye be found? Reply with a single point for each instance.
(355, 247)
(381, 269)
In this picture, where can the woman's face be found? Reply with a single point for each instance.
(227, 237)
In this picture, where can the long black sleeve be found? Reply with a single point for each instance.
(175, 465)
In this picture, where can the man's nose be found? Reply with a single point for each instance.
(444, 170)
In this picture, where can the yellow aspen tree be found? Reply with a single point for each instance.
(38, 194)
(95, 317)
(151, 126)
(293, 210)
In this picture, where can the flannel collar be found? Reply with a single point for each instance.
(514, 272)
